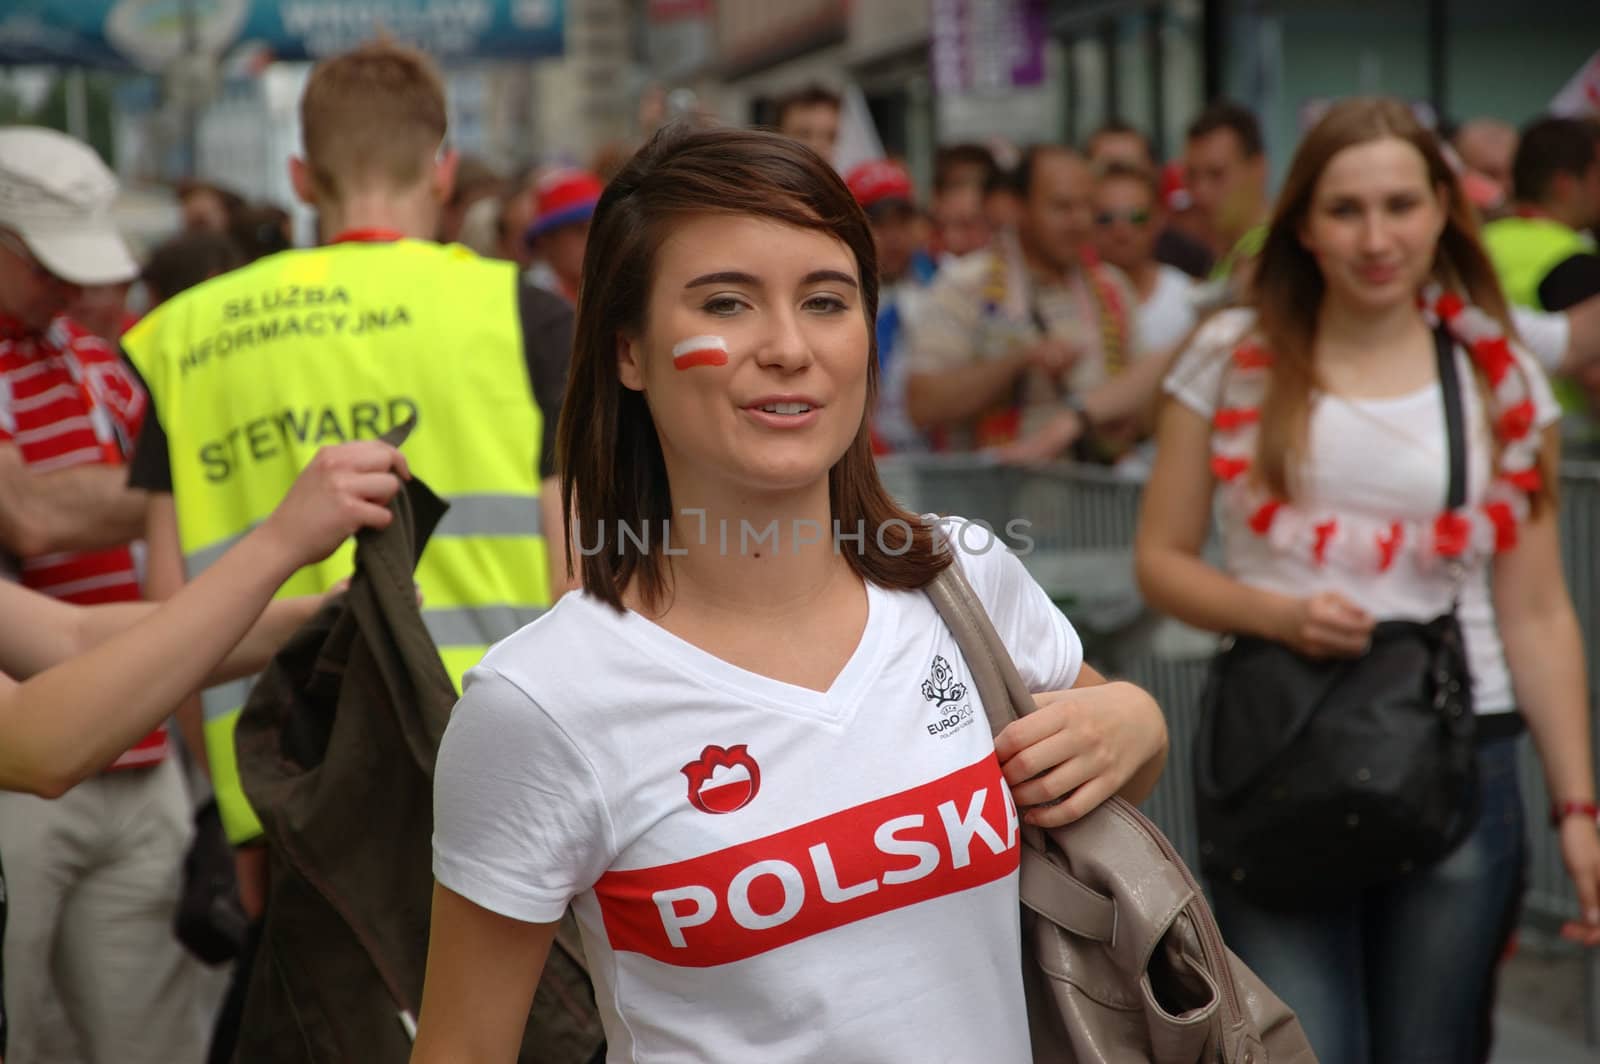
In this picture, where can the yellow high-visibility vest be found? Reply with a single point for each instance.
(254, 371)
(1524, 251)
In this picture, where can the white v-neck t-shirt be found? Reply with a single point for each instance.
(761, 872)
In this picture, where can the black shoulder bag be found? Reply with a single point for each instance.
(1316, 778)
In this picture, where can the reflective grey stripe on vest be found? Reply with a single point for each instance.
(469, 515)
(473, 626)
(491, 515)
(461, 626)
(220, 701)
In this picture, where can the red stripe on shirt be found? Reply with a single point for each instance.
(945, 836)
(47, 413)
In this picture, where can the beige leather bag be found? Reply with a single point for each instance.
(1122, 958)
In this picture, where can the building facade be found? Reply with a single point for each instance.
(925, 67)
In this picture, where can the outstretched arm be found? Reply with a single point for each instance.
(69, 721)
(56, 631)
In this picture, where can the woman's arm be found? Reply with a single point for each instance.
(1544, 651)
(37, 631)
(1130, 394)
(72, 719)
(1583, 338)
(483, 969)
(55, 631)
(1174, 517)
(280, 620)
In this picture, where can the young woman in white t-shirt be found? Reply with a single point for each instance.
(1315, 415)
(749, 755)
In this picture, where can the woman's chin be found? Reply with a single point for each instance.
(1378, 297)
(784, 477)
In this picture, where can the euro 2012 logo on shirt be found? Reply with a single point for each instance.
(949, 697)
(723, 781)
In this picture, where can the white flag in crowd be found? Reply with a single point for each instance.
(1581, 95)
(858, 135)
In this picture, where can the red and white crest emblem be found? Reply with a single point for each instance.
(723, 781)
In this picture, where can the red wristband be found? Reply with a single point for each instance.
(1559, 811)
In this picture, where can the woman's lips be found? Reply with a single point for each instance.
(784, 421)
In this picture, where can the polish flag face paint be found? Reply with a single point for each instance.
(700, 351)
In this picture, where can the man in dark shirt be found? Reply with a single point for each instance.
(1544, 258)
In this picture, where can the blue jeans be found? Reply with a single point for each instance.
(1398, 973)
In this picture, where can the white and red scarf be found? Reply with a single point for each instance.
(1363, 542)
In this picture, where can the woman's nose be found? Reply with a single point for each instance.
(785, 345)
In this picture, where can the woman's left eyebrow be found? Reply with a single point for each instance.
(734, 277)
(819, 276)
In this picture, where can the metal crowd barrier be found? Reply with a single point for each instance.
(1075, 535)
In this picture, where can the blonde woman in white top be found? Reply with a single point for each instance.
(1331, 474)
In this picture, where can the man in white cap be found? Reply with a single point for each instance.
(93, 874)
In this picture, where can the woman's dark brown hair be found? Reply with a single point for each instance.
(1287, 287)
(607, 450)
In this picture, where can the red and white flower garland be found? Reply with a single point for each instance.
(1361, 542)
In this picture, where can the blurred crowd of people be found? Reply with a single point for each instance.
(1032, 301)
(1116, 254)
(1023, 276)
(1111, 252)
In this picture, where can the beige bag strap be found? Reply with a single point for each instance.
(1047, 887)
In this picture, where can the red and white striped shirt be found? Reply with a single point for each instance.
(66, 399)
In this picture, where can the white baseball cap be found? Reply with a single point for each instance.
(56, 194)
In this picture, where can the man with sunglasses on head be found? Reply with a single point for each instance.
(1127, 219)
(93, 875)
(1119, 143)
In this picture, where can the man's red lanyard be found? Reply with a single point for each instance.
(372, 235)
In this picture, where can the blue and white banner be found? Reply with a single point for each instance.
(152, 34)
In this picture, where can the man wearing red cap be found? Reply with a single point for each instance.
(883, 189)
(560, 230)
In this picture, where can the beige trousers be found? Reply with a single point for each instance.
(93, 972)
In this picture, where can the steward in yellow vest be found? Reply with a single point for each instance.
(250, 372)
(1526, 251)
(1543, 259)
